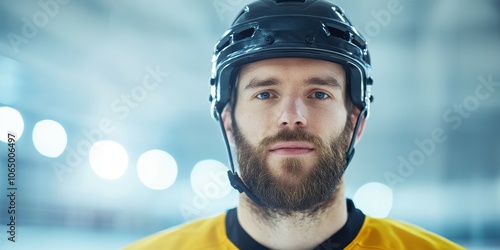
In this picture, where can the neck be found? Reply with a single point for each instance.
(293, 230)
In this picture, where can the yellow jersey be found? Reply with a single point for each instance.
(361, 232)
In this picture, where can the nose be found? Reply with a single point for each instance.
(293, 113)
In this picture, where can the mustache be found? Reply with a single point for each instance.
(291, 135)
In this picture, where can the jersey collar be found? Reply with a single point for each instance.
(339, 240)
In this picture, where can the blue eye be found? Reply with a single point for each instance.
(264, 95)
(320, 95)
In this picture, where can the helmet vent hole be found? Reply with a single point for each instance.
(360, 43)
(340, 33)
(347, 36)
(223, 43)
(243, 34)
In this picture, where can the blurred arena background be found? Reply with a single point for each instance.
(109, 102)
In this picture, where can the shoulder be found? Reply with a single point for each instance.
(208, 233)
(392, 234)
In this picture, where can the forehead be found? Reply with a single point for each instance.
(291, 69)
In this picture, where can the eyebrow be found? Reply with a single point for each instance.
(321, 81)
(324, 81)
(256, 83)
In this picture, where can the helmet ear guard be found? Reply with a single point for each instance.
(269, 29)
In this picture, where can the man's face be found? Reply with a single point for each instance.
(291, 131)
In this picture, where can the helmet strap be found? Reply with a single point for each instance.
(234, 179)
(351, 150)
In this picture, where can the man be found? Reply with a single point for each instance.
(291, 91)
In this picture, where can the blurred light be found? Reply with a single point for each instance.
(10, 121)
(157, 169)
(49, 138)
(374, 199)
(108, 159)
(209, 179)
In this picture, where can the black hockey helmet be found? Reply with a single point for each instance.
(268, 29)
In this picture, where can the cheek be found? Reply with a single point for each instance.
(254, 126)
(328, 124)
(244, 124)
(251, 126)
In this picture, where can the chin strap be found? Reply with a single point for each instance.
(234, 179)
(238, 184)
(351, 150)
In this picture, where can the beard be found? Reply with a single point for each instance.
(297, 188)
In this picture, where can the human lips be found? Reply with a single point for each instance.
(292, 148)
